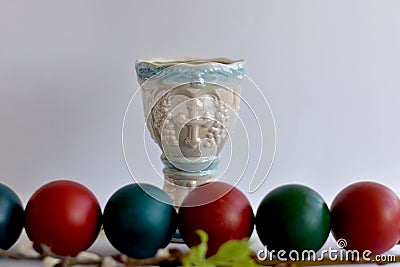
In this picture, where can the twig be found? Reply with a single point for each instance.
(18, 255)
(172, 258)
(324, 262)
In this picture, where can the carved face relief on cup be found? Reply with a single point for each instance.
(193, 123)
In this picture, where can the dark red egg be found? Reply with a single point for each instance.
(64, 216)
(221, 210)
(367, 216)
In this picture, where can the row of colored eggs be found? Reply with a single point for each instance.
(138, 219)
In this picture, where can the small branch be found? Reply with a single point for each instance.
(18, 255)
(171, 257)
(324, 262)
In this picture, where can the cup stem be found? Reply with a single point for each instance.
(178, 183)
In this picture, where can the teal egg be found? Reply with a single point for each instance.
(139, 219)
(11, 217)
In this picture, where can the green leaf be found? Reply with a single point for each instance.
(234, 253)
(197, 254)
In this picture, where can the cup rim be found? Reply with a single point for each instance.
(188, 61)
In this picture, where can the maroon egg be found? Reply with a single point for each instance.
(63, 215)
(367, 216)
(221, 210)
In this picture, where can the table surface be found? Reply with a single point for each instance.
(103, 247)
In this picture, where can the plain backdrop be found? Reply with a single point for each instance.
(329, 69)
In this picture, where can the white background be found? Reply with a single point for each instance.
(329, 69)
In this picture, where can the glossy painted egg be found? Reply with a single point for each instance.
(139, 219)
(63, 215)
(219, 209)
(11, 217)
(293, 217)
(367, 215)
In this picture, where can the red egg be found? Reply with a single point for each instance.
(63, 215)
(367, 216)
(219, 209)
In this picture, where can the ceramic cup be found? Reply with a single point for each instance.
(190, 106)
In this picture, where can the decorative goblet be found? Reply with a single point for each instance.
(190, 107)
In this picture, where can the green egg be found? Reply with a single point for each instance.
(293, 217)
